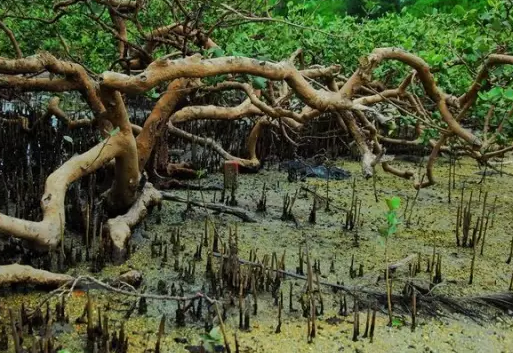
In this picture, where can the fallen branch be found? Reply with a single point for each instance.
(243, 214)
(108, 287)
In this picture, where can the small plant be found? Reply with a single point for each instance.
(386, 232)
(201, 173)
(212, 339)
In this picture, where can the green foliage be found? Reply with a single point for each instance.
(392, 219)
(457, 7)
(201, 173)
(213, 338)
(215, 52)
(453, 36)
(258, 82)
(440, 39)
(428, 134)
(397, 322)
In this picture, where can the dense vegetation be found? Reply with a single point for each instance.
(454, 37)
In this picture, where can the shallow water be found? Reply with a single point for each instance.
(432, 225)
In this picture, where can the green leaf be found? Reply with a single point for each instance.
(483, 96)
(496, 25)
(205, 337)
(114, 132)
(495, 92)
(68, 139)
(218, 52)
(394, 203)
(459, 10)
(397, 322)
(258, 82)
(64, 351)
(216, 334)
(508, 94)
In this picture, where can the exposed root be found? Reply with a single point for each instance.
(119, 228)
(11, 274)
(406, 174)
(47, 232)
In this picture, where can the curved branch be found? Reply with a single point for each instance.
(47, 232)
(345, 119)
(12, 38)
(39, 84)
(152, 128)
(213, 112)
(55, 110)
(274, 112)
(483, 75)
(121, 147)
(74, 73)
(428, 82)
(405, 174)
(11, 274)
(193, 67)
(252, 162)
(430, 164)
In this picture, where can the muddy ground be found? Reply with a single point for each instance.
(432, 225)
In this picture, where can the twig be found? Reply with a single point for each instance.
(270, 19)
(236, 211)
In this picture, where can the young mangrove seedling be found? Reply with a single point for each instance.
(386, 232)
(212, 339)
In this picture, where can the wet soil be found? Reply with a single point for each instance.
(431, 227)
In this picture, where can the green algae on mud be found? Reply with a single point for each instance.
(433, 225)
